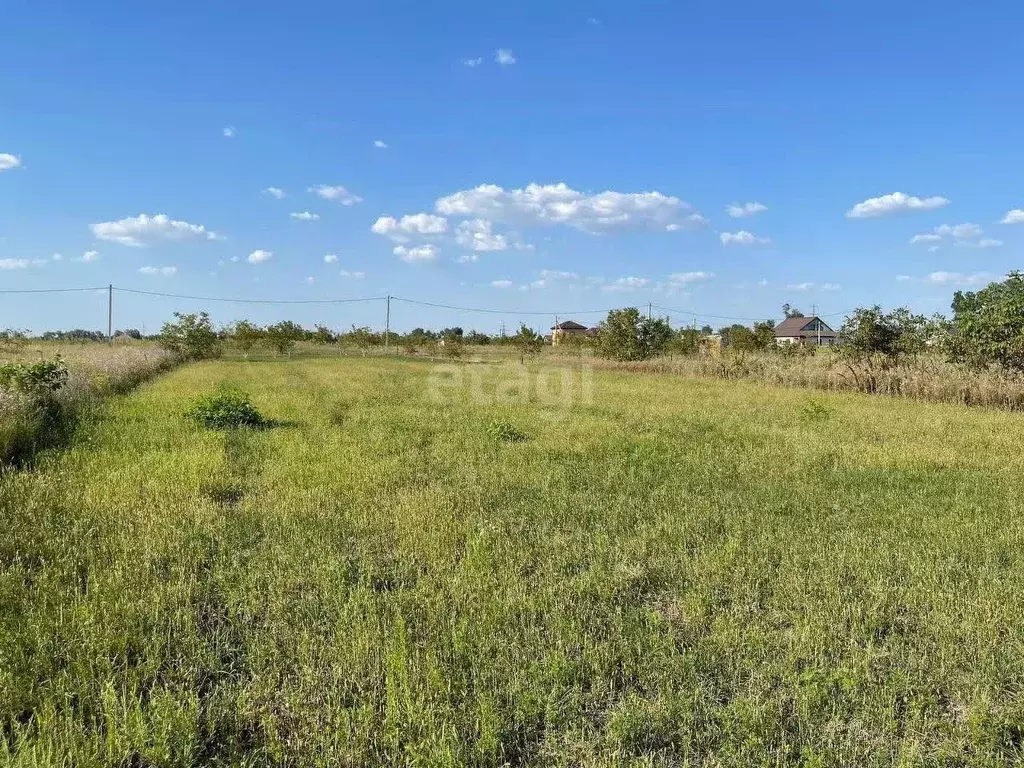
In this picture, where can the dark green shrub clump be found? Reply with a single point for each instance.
(226, 409)
(505, 432)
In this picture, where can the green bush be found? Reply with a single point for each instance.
(227, 408)
(505, 432)
(39, 380)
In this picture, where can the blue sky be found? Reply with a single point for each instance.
(589, 164)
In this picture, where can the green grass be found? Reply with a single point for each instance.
(670, 572)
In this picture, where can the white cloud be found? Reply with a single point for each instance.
(745, 210)
(14, 263)
(682, 278)
(310, 280)
(275, 192)
(57, 257)
(419, 253)
(593, 21)
(896, 202)
(166, 271)
(626, 284)
(305, 216)
(813, 287)
(957, 278)
(553, 204)
(467, 258)
(8, 161)
(476, 235)
(330, 258)
(959, 231)
(145, 229)
(1016, 216)
(554, 274)
(501, 283)
(902, 278)
(88, 256)
(504, 56)
(259, 256)
(353, 275)
(335, 194)
(379, 144)
(742, 238)
(229, 132)
(399, 230)
(959, 234)
(472, 62)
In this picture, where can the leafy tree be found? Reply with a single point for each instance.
(707, 330)
(282, 336)
(361, 337)
(323, 335)
(626, 335)
(455, 333)
(789, 311)
(988, 325)
(686, 341)
(247, 335)
(528, 341)
(131, 333)
(475, 337)
(893, 335)
(191, 336)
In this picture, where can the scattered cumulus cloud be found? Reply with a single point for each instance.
(958, 278)
(742, 238)
(57, 257)
(896, 202)
(626, 284)
(335, 194)
(504, 57)
(310, 280)
(275, 192)
(557, 274)
(353, 275)
(420, 253)
(379, 144)
(682, 278)
(145, 230)
(555, 204)
(259, 256)
(9, 161)
(165, 271)
(229, 132)
(959, 234)
(14, 263)
(88, 256)
(330, 258)
(813, 287)
(400, 230)
(1016, 216)
(305, 216)
(744, 210)
(476, 235)
(501, 283)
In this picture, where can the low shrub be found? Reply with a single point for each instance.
(505, 432)
(227, 408)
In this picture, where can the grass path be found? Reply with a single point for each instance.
(676, 572)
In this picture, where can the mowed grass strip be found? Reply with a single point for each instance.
(661, 572)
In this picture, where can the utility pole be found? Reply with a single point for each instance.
(649, 307)
(387, 326)
(110, 312)
(817, 321)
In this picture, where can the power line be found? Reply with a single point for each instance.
(693, 313)
(250, 301)
(500, 311)
(53, 290)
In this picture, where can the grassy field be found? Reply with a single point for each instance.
(666, 571)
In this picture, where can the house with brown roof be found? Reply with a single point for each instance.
(569, 328)
(805, 330)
